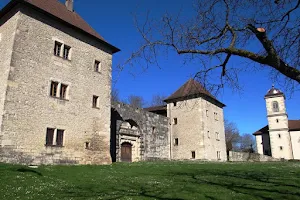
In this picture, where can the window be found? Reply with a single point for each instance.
(217, 136)
(56, 135)
(175, 104)
(87, 145)
(97, 66)
(277, 120)
(175, 121)
(95, 101)
(53, 88)
(281, 148)
(57, 48)
(206, 113)
(218, 155)
(216, 116)
(275, 106)
(279, 136)
(58, 90)
(208, 134)
(193, 154)
(66, 54)
(59, 137)
(49, 136)
(63, 91)
(176, 142)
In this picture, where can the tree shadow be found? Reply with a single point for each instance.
(28, 170)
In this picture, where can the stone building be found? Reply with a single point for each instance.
(55, 85)
(281, 137)
(55, 98)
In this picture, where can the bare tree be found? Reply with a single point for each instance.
(247, 143)
(232, 136)
(264, 32)
(136, 101)
(115, 94)
(158, 100)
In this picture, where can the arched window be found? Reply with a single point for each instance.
(275, 106)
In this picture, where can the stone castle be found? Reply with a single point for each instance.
(55, 98)
(281, 137)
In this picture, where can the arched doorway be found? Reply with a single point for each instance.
(126, 152)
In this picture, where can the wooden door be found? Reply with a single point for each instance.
(126, 152)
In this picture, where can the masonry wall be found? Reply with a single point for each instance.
(8, 25)
(244, 157)
(191, 130)
(295, 138)
(153, 131)
(29, 109)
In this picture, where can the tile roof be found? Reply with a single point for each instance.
(60, 11)
(156, 108)
(190, 88)
(273, 92)
(294, 125)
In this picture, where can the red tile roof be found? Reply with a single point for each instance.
(294, 125)
(190, 88)
(60, 11)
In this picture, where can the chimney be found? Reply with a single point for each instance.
(69, 5)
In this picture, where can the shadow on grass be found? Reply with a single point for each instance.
(27, 170)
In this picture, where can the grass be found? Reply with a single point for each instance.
(153, 180)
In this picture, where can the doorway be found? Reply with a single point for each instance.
(126, 152)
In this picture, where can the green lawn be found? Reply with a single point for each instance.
(155, 180)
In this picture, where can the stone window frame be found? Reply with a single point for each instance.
(219, 155)
(217, 136)
(193, 154)
(55, 138)
(59, 90)
(176, 142)
(97, 66)
(95, 102)
(275, 106)
(175, 121)
(62, 50)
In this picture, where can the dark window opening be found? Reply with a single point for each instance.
(97, 66)
(95, 101)
(279, 135)
(59, 137)
(87, 145)
(49, 136)
(193, 154)
(277, 120)
(175, 120)
(176, 142)
(57, 48)
(175, 104)
(281, 147)
(66, 52)
(63, 91)
(53, 89)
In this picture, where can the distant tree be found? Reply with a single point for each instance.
(232, 136)
(115, 95)
(222, 30)
(136, 101)
(247, 143)
(158, 100)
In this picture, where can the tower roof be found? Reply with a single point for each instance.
(60, 12)
(191, 89)
(274, 92)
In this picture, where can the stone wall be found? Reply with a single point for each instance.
(152, 132)
(29, 109)
(244, 156)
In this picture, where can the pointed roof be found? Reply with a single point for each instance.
(294, 125)
(60, 12)
(191, 89)
(273, 92)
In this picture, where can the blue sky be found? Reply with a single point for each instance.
(114, 21)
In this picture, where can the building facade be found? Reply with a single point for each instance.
(55, 89)
(55, 98)
(281, 137)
